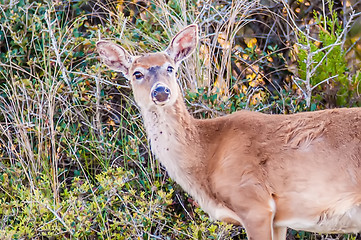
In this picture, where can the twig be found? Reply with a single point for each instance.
(57, 217)
(56, 49)
(326, 80)
(309, 61)
(338, 42)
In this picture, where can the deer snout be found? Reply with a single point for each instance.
(160, 93)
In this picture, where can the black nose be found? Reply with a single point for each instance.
(161, 93)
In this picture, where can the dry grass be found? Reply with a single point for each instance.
(65, 119)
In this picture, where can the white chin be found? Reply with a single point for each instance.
(160, 103)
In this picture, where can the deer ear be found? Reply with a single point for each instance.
(183, 44)
(114, 56)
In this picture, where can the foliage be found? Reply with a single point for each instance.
(112, 208)
(75, 161)
(254, 91)
(323, 66)
(65, 126)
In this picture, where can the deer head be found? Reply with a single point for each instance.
(152, 75)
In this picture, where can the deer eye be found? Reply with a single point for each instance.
(170, 69)
(138, 75)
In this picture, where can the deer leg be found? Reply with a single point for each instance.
(279, 233)
(258, 224)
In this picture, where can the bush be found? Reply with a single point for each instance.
(324, 74)
(75, 161)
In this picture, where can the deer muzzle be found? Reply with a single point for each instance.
(160, 94)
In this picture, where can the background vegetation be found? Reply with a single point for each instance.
(75, 161)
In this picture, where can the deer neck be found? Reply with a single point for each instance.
(172, 136)
(176, 142)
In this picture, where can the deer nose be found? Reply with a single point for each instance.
(160, 93)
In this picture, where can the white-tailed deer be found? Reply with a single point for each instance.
(265, 172)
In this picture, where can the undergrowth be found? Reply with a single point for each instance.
(75, 161)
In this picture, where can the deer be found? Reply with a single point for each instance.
(265, 172)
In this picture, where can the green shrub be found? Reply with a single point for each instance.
(323, 71)
(117, 206)
(75, 161)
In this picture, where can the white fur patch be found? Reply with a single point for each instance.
(329, 222)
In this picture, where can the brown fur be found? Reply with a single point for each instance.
(266, 172)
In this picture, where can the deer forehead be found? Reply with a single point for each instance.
(152, 60)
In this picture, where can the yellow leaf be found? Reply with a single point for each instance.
(244, 89)
(270, 59)
(253, 83)
(317, 43)
(256, 98)
(220, 85)
(111, 122)
(251, 42)
(26, 82)
(251, 76)
(224, 99)
(222, 39)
